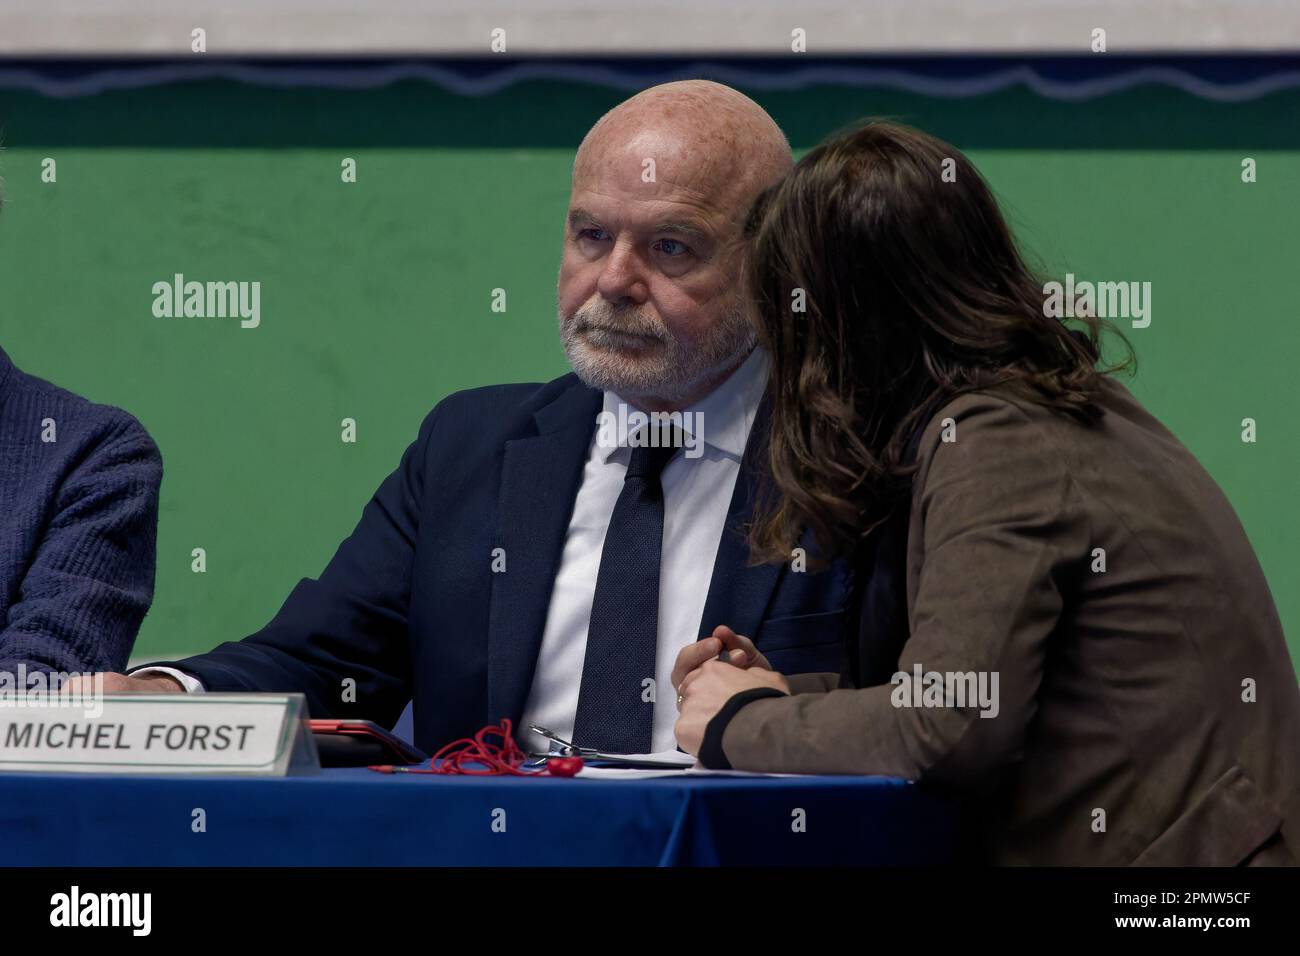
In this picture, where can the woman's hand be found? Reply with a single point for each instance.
(741, 652)
(704, 690)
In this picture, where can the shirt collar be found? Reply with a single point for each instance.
(721, 420)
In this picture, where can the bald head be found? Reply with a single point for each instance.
(703, 137)
(649, 299)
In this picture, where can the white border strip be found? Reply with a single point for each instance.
(238, 28)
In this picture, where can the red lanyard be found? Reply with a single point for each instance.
(478, 756)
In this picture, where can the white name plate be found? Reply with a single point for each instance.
(257, 734)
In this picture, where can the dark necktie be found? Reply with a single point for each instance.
(613, 715)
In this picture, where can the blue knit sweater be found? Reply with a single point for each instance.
(78, 519)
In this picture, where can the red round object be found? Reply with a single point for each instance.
(563, 766)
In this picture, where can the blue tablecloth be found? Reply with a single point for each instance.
(362, 818)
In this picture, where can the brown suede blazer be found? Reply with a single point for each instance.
(1146, 713)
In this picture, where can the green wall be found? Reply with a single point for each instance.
(376, 295)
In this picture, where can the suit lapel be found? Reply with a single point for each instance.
(738, 593)
(539, 483)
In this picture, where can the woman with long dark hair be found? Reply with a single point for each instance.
(1077, 635)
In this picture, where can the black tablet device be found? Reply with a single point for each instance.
(360, 743)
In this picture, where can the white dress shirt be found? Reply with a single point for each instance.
(697, 497)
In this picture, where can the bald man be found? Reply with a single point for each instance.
(543, 552)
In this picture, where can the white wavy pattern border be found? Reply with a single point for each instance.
(373, 76)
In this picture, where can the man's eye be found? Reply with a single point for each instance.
(592, 232)
(671, 247)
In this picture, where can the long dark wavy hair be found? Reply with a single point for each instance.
(886, 282)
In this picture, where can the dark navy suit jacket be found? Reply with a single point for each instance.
(78, 522)
(410, 608)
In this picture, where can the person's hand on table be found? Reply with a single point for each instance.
(704, 684)
(125, 684)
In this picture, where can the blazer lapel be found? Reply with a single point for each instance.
(738, 593)
(539, 483)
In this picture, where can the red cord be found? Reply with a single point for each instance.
(477, 756)
(460, 756)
